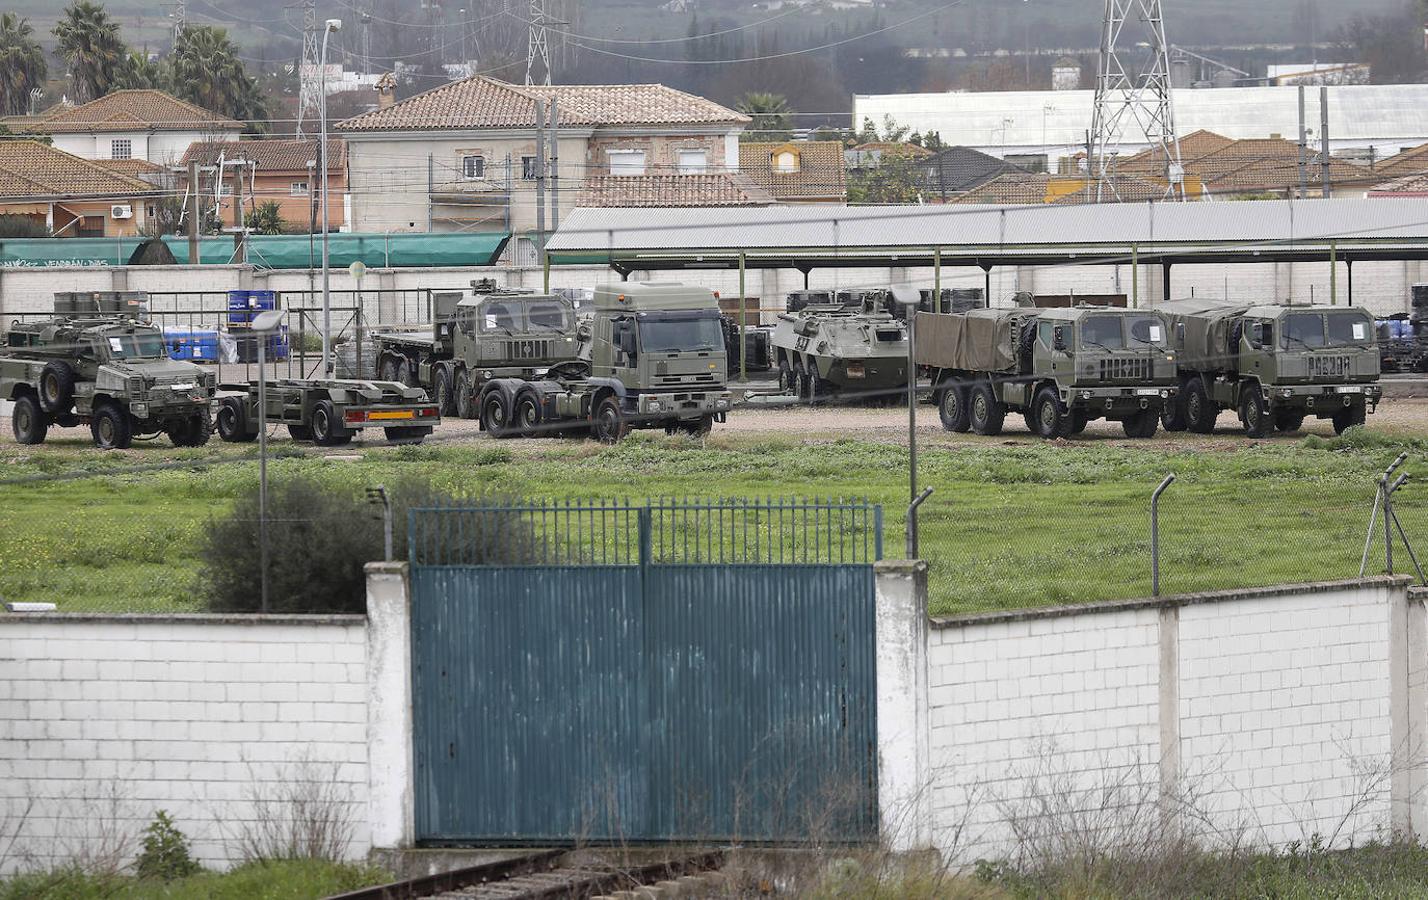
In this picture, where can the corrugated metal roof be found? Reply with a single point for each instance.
(1358, 114)
(1268, 227)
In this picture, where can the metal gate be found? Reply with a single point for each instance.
(665, 672)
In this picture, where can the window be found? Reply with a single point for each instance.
(225, 190)
(149, 210)
(1303, 330)
(785, 161)
(91, 226)
(298, 189)
(627, 162)
(1103, 333)
(473, 167)
(693, 162)
(1147, 330)
(529, 169)
(1046, 333)
(121, 148)
(1347, 329)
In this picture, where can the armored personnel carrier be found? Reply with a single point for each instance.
(105, 368)
(832, 349)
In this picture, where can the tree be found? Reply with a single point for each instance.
(88, 40)
(207, 72)
(138, 71)
(266, 218)
(1390, 44)
(898, 179)
(22, 64)
(772, 119)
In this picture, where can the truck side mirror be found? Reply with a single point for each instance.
(625, 339)
(1180, 334)
(1058, 337)
(1266, 334)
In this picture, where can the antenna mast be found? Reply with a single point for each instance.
(538, 46)
(310, 69)
(1141, 101)
(180, 19)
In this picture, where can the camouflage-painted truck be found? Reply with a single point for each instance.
(1059, 368)
(1273, 364)
(106, 369)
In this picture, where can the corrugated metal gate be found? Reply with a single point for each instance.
(645, 673)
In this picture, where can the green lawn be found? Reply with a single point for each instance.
(1008, 526)
(279, 880)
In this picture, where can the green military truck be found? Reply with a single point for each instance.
(1274, 365)
(494, 333)
(1060, 368)
(651, 356)
(107, 369)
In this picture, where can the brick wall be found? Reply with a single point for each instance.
(107, 719)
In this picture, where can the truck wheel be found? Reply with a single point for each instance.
(1143, 424)
(1288, 420)
(387, 371)
(952, 408)
(28, 421)
(465, 408)
(816, 386)
(1200, 412)
(300, 432)
(111, 427)
(527, 418)
(1051, 420)
(1350, 416)
(785, 378)
(327, 430)
(696, 428)
(1253, 415)
(987, 412)
(445, 402)
(230, 422)
(1173, 417)
(1078, 421)
(189, 432)
(608, 425)
(496, 415)
(800, 384)
(406, 434)
(56, 386)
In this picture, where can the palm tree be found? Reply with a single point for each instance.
(207, 72)
(89, 41)
(266, 218)
(22, 64)
(138, 71)
(772, 117)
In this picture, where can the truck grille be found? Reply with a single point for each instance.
(528, 349)
(1125, 369)
(685, 380)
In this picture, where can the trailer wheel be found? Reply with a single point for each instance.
(56, 386)
(527, 419)
(230, 422)
(952, 408)
(1288, 420)
(404, 372)
(1051, 420)
(608, 425)
(300, 432)
(28, 421)
(327, 430)
(1142, 424)
(465, 408)
(1349, 416)
(1253, 415)
(987, 412)
(445, 402)
(1200, 411)
(496, 414)
(111, 427)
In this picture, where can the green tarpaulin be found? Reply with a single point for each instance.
(279, 251)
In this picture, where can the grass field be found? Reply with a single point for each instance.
(1008, 526)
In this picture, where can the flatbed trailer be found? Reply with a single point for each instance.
(327, 411)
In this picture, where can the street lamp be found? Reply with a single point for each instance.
(910, 298)
(328, 27)
(265, 324)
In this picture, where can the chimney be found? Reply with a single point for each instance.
(386, 88)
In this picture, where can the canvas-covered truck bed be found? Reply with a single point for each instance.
(980, 340)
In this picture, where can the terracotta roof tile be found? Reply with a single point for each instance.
(709, 189)
(822, 173)
(134, 109)
(1013, 189)
(1408, 184)
(484, 102)
(33, 169)
(1412, 161)
(270, 155)
(134, 168)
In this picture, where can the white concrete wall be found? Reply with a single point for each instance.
(104, 720)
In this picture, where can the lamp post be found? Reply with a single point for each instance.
(328, 27)
(910, 299)
(265, 324)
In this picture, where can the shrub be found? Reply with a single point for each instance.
(165, 855)
(319, 540)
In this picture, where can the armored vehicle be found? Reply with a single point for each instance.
(832, 348)
(652, 356)
(1060, 368)
(109, 370)
(494, 333)
(1274, 365)
(327, 411)
(1399, 349)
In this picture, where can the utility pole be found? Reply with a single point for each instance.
(1324, 140)
(193, 251)
(540, 179)
(554, 169)
(308, 73)
(1128, 96)
(537, 45)
(1303, 149)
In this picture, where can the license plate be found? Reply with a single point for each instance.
(1147, 392)
(390, 414)
(1351, 389)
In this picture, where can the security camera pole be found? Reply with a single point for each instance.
(330, 26)
(911, 299)
(265, 324)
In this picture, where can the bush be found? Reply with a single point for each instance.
(320, 539)
(165, 855)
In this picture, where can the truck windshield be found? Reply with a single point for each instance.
(139, 345)
(1146, 330)
(1347, 330)
(523, 316)
(1303, 330)
(1103, 332)
(673, 334)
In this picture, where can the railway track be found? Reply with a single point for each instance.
(557, 875)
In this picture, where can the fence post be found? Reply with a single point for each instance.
(1155, 535)
(877, 533)
(912, 522)
(645, 520)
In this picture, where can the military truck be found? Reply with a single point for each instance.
(828, 349)
(494, 333)
(652, 356)
(1273, 364)
(107, 369)
(1060, 368)
(327, 411)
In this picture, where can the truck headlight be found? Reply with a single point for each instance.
(1165, 395)
(721, 403)
(655, 406)
(1085, 395)
(1286, 393)
(140, 410)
